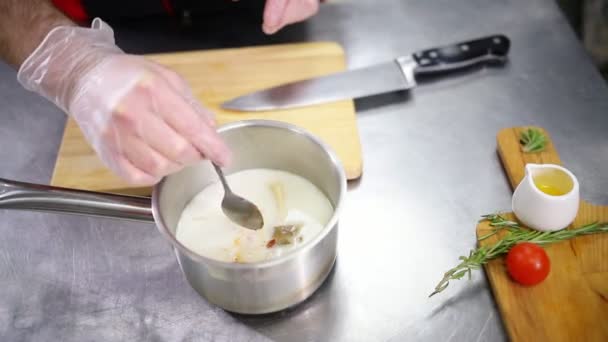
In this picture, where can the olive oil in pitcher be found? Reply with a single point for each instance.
(553, 182)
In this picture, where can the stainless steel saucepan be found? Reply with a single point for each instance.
(253, 288)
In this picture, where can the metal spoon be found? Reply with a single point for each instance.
(238, 209)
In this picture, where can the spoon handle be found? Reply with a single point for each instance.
(220, 173)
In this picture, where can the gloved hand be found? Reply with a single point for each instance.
(140, 117)
(279, 13)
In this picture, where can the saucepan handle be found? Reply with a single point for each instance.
(27, 196)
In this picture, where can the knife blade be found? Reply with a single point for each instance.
(399, 74)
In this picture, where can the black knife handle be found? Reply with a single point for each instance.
(461, 55)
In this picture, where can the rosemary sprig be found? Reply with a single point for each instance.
(532, 140)
(497, 222)
(482, 255)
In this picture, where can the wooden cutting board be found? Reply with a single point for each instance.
(572, 303)
(218, 75)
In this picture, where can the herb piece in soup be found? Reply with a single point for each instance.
(286, 234)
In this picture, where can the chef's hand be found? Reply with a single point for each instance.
(141, 118)
(279, 13)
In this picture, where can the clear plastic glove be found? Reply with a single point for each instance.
(279, 13)
(140, 117)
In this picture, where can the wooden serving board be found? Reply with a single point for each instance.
(571, 304)
(218, 75)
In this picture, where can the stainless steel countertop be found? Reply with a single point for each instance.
(430, 171)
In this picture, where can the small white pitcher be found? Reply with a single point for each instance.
(547, 199)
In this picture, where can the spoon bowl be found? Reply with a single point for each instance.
(237, 209)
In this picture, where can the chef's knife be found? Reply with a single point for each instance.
(399, 74)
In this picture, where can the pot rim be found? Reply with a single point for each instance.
(331, 224)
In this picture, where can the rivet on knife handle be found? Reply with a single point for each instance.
(461, 55)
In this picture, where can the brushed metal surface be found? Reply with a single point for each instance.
(430, 170)
(371, 80)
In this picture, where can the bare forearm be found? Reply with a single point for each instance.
(23, 25)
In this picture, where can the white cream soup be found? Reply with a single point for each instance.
(284, 199)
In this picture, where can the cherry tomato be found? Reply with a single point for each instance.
(528, 264)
